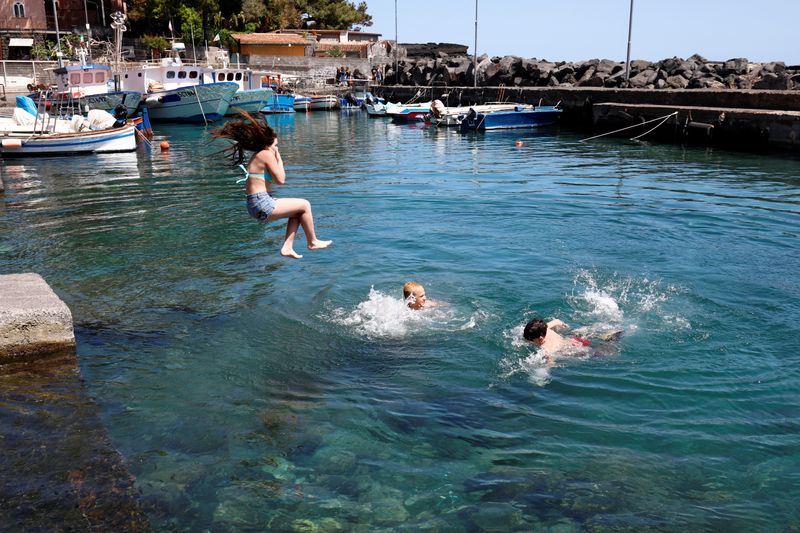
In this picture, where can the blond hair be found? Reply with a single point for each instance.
(409, 288)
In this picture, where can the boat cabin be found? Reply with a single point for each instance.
(167, 74)
(83, 80)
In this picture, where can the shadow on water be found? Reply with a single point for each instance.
(58, 467)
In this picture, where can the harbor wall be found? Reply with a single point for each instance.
(746, 118)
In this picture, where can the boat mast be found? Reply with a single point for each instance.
(475, 51)
(58, 37)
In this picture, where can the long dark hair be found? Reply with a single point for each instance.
(247, 134)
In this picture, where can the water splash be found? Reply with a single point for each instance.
(385, 316)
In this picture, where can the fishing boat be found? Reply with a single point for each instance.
(177, 92)
(325, 103)
(521, 116)
(86, 86)
(301, 103)
(251, 96)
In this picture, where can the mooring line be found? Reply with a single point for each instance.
(662, 119)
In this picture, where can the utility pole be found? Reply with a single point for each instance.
(628, 56)
(475, 51)
(396, 44)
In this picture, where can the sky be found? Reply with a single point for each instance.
(574, 30)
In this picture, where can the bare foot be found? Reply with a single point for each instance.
(289, 252)
(319, 245)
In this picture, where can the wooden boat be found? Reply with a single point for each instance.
(122, 139)
(522, 116)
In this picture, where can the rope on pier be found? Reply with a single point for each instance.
(662, 119)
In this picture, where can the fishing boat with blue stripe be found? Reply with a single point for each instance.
(521, 116)
(178, 92)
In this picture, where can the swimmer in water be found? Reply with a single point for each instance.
(264, 168)
(415, 298)
(543, 334)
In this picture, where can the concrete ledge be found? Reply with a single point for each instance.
(33, 320)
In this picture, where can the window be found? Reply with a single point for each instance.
(238, 76)
(87, 77)
(19, 10)
(230, 76)
(220, 77)
(181, 74)
(193, 74)
(75, 78)
(99, 77)
(170, 74)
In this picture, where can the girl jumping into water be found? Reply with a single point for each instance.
(265, 168)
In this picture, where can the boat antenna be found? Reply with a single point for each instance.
(59, 55)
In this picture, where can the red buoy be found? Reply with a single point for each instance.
(519, 143)
(164, 146)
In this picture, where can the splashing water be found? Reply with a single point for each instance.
(384, 316)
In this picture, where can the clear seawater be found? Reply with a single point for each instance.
(248, 392)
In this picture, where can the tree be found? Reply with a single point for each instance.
(337, 14)
(191, 23)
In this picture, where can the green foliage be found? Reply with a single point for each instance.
(191, 23)
(156, 42)
(337, 14)
(42, 51)
(335, 52)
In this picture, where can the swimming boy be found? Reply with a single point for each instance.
(414, 296)
(543, 333)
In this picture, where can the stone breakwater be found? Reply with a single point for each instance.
(695, 72)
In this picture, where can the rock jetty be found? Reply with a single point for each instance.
(696, 72)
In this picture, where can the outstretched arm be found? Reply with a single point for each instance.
(556, 324)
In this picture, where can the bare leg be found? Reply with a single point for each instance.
(287, 249)
(298, 211)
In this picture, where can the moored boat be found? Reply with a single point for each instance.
(409, 113)
(122, 139)
(447, 117)
(250, 96)
(522, 116)
(325, 102)
(301, 103)
(279, 103)
(178, 92)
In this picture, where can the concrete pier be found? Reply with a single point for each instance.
(34, 322)
(752, 119)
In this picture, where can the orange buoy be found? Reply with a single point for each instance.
(519, 143)
(164, 146)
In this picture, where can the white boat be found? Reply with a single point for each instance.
(325, 102)
(250, 96)
(176, 92)
(122, 139)
(409, 113)
(447, 117)
(301, 103)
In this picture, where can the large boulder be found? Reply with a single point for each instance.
(774, 82)
(606, 66)
(739, 65)
(676, 82)
(643, 79)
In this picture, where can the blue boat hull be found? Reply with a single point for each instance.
(520, 118)
(279, 103)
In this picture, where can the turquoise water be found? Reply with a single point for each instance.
(249, 392)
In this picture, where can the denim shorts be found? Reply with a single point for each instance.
(260, 205)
